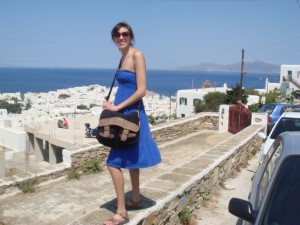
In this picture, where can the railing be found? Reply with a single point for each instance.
(239, 118)
(293, 81)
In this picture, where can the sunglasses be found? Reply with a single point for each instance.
(124, 34)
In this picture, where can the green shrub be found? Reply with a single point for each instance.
(73, 174)
(27, 187)
(211, 102)
(185, 216)
(254, 107)
(233, 95)
(64, 96)
(11, 108)
(91, 166)
(151, 119)
(82, 107)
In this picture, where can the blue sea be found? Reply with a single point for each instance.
(164, 82)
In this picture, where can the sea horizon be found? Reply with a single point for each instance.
(162, 81)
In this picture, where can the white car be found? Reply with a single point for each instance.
(288, 121)
(275, 195)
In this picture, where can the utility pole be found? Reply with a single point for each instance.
(170, 107)
(242, 74)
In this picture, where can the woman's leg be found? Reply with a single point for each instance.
(135, 183)
(118, 180)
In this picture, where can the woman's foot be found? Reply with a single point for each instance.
(132, 205)
(117, 219)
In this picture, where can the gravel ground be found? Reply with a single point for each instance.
(215, 211)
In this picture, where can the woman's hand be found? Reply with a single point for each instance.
(109, 106)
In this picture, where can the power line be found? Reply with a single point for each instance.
(278, 42)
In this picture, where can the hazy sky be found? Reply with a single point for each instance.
(170, 33)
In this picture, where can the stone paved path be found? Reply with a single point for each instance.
(90, 200)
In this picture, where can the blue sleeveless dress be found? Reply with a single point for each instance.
(145, 153)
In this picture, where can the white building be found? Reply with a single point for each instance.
(289, 78)
(3, 114)
(186, 99)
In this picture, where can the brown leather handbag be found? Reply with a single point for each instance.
(118, 130)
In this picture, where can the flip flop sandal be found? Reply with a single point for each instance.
(114, 221)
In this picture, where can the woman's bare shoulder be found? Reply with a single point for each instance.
(138, 58)
(137, 53)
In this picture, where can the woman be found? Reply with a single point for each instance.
(131, 89)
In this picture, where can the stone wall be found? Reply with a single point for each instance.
(162, 133)
(184, 127)
(194, 194)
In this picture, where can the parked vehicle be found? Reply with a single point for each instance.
(275, 193)
(295, 108)
(90, 132)
(296, 94)
(289, 121)
(274, 111)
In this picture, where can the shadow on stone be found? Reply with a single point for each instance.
(111, 205)
(239, 222)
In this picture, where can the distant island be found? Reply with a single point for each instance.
(250, 67)
(256, 66)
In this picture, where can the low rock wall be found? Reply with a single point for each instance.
(195, 193)
(162, 133)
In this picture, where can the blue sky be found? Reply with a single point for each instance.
(170, 33)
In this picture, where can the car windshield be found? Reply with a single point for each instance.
(267, 108)
(285, 124)
(283, 206)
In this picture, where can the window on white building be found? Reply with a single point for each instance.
(289, 75)
(196, 100)
(183, 101)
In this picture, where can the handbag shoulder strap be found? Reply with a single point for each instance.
(113, 83)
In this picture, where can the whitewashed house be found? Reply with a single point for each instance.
(186, 99)
(3, 114)
(289, 78)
